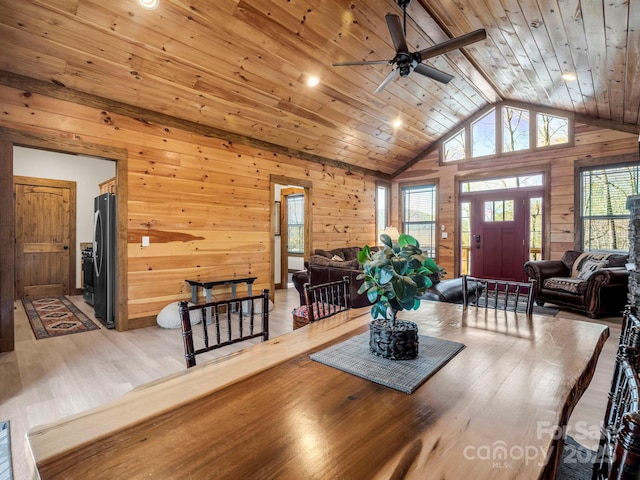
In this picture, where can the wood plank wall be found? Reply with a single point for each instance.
(593, 145)
(204, 202)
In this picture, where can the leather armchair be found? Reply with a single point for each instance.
(603, 290)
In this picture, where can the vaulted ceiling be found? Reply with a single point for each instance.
(240, 66)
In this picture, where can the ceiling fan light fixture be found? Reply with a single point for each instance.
(148, 4)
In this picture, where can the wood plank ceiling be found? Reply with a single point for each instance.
(241, 65)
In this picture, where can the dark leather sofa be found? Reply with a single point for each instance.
(596, 288)
(324, 267)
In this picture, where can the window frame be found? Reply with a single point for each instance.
(294, 197)
(401, 197)
(498, 107)
(600, 164)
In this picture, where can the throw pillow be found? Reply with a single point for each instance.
(337, 258)
(588, 267)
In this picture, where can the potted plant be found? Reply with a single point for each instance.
(395, 277)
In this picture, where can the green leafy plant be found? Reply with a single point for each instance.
(396, 276)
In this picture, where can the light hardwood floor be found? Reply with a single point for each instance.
(45, 380)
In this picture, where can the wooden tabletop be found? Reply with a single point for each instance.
(271, 412)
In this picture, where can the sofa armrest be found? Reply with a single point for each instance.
(610, 276)
(542, 269)
(606, 290)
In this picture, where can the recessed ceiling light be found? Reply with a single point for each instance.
(570, 77)
(148, 4)
(313, 81)
(397, 123)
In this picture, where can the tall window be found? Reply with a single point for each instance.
(515, 129)
(419, 216)
(382, 209)
(603, 213)
(295, 224)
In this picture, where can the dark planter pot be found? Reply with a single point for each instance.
(399, 343)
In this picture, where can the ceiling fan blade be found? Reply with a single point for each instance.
(368, 62)
(434, 73)
(392, 74)
(397, 32)
(453, 43)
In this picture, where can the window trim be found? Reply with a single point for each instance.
(533, 119)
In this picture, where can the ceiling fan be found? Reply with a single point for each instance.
(405, 61)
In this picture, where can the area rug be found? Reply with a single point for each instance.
(5, 452)
(53, 317)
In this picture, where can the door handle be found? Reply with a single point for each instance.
(477, 239)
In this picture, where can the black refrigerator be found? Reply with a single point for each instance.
(104, 258)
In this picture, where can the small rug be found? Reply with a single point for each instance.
(53, 317)
(353, 356)
(577, 461)
(5, 452)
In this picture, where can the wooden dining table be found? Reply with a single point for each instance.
(491, 412)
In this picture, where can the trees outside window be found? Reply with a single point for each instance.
(603, 214)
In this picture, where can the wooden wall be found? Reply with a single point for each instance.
(204, 202)
(593, 145)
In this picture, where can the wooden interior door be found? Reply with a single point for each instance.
(45, 237)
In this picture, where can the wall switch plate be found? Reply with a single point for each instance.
(445, 234)
(145, 241)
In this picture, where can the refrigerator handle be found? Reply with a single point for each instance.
(96, 220)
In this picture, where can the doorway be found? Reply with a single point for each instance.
(45, 237)
(501, 227)
(291, 203)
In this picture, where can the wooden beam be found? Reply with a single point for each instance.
(6, 247)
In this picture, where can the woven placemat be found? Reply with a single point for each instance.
(353, 356)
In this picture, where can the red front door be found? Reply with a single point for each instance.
(499, 234)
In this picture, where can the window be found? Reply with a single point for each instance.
(465, 238)
(498, 211)
(603, 214)
(503, 183)
(483, 135)
(419, 216)
(454, 147)
(295, 224)
(551, 130)
(382, 209)
(535, 228)
(506, 130)
(515, 129)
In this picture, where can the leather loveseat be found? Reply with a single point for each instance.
(331, 265)
(593, 283)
